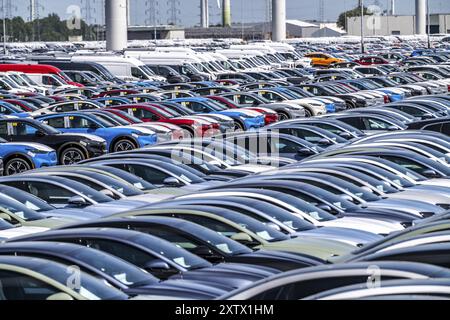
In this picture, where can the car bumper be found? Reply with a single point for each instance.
(96, 150)
(149, 140)
(45, 160)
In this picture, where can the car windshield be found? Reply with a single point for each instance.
(179, 256)
(314, 212)
(214, 105)
(263, 231)
(87, 286)
(18, 209)
(88, 192)
(104, 122)
(137, 182)
(219, 242)
(28, 200)
(118, 269)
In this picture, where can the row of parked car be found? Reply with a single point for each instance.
(255, 188)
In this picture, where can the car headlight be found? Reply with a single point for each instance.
(33, 152)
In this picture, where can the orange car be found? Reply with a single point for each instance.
(322, 59)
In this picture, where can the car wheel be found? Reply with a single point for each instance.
(124, 145)
(15, 166)
(71, 156)
(238, 126)
(308, 113)
(283, 116)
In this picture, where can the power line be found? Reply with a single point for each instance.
(173, 11)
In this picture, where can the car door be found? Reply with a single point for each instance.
(20, 131)
(82, 124)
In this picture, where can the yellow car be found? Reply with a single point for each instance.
(322, 59)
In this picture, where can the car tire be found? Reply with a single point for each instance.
(283, 116)
(238, 126)
(308, 113)
(124, 145)
(71, 155)
(15, 166)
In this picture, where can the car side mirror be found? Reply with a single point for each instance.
(430, 173)
(325, 207)
(346, 197)
(325, 142)
(40, 134)
(305, 152)
(77, 201)
(393, 128)
(172, 182)
(273, 226)
(61, 296)
(202, 251)
(242, 237)
(157, 265)
(345, 135)
(427, 116)
(108, 193)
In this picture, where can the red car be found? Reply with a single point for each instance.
(270, 116)
(371, 60)
(40, 69)
(150, 113)
(177, 132)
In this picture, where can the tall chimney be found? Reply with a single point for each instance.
(226, 13)
(278, 20)
(204, 14)
(421, 17)
(116, 25)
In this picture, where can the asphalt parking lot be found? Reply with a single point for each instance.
(259, 171)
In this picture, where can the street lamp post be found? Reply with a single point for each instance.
(4, 26)
(429, 25)
(361, 4)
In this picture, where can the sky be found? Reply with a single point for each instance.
(188, 12)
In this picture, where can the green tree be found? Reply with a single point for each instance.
(342, 19)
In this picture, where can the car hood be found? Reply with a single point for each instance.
(319, 248)
(349, 236)
(20, 231)
(405, 205)
(364, 224)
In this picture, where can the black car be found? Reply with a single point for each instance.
(203, 242)
(441, 125)
(71, 148)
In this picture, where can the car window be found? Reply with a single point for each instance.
(17, 286)
(57, 122)
(50, 193)
(434, 127)
(282, 145)
(23, 129)
(3, 129)
(376, 124)
(77, 122)
(147, 173)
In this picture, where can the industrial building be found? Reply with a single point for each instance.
(396, 25)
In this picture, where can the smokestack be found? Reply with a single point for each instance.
(204, 16)
(421, 17)
(278, 20)
(226, 13)
(116, 24)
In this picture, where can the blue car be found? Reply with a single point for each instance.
(117, 138)
(9, 109)
(21, 157)
(244, 119)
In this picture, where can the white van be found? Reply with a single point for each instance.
(125, 68)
